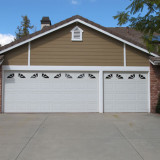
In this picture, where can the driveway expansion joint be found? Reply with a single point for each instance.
(128, 141)
(23, 148)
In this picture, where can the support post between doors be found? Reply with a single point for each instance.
(101, 91)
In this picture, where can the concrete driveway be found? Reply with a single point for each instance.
(80, 136)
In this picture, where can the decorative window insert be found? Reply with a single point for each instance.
(11, 75)
(68, 76)
(131, 76)
(119, 76)
(109, 76)
(44, 75)
(20, 75)
(34, 75)
(76, 34)
(91, 76)
(58, 75)
(81, 76)
(141, 76)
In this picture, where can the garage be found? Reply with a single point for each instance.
(126, 92)
(78, 66)
(29, 91)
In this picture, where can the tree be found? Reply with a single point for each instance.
(24, 28)
(144, 16)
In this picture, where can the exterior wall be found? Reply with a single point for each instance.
(135, 57)
(155, 86)
(17, 56)
(57, 49)
(96, 49)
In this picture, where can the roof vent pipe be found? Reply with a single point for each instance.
(45, 22)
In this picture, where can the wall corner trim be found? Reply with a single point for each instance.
(29, 53)
(124, 54)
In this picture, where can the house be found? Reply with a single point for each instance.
(79, 66)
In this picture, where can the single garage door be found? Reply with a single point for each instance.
(125, 92)
(51, 92)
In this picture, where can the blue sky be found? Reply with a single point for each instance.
(99, 11)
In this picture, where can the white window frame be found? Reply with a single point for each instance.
(81, 32)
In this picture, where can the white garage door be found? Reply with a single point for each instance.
(125, 92)
(51, 92)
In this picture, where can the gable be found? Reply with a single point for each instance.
(96, 49)
(114, 33)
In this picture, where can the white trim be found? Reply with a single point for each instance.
(151, 62)
(39, 35)
(124, 54)
(29, 53)
(74, 68)
(120, 39)
(87, 24)
(101, 92)
(149, 93)
(155, 63)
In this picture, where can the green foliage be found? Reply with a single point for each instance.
(158, 105)
(147, 22)
(24, 28)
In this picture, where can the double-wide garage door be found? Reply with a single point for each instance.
(51, 92)
(74, 91)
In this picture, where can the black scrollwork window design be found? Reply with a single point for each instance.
(44, 75)
(58, 75)
(81, 76)
(11, 75)
(131, 76)
(119, 76)
(34, 75)
(141, 76)
(91, 76)
(109, 76)
(68, 76)
(21, 75)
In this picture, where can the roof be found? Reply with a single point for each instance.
(155, 60)
(124, 33)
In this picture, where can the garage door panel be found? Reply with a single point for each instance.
(125, 92)
(51, 108)
(68, 92)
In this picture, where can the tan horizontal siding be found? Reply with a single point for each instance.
(96, 49)
(17, 56)
(75, 64)
(135, 57)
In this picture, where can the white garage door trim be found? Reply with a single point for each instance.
(100, 69)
